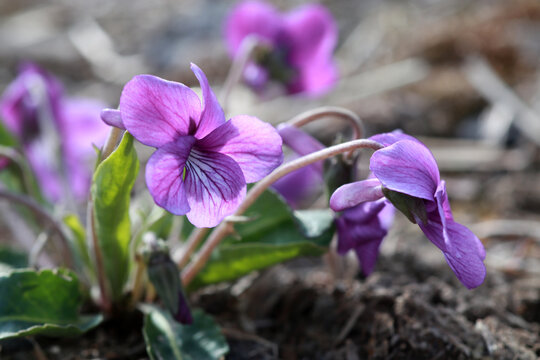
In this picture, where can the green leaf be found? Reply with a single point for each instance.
(12, 259)
(6, 138)
(273, 235)
(111, 187)
(167, 339)
(42, 303)
(78, 242)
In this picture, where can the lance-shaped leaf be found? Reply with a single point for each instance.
(272, 235)
(167, 339)
(111, 187)
(42, 303)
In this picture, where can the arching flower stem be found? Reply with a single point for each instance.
(334, 111)
(225, 227)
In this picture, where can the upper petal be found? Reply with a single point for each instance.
(309, 34)
(253, 144)
(388, 139)
(164, 172)
(350, 195)
(212, 114)
(255, 18)
(407, 167)
(157, 111)
(112, 117)
(215, 187)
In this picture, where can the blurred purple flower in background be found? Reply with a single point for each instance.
(407, 174)
(202, 162)
(56, 132)
(294, 49)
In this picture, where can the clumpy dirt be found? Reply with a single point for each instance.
(407, 309)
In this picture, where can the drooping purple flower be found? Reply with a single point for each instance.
(55, 131)
(202, 162)
(362, 228)
(295, 49)
(406, 168)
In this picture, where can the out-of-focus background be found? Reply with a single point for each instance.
(464, 76)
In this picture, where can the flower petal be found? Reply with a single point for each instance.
(466, 256)
(164, 172)
(388, 139)
(407, 167)
(157, 111)
(368, 254)
(112, 117)
(299, 141)
(215, 187)
(350, 195)
(255, 18)
(301, 186)
(314, 79)
(253, 144)
(464, 252)
(310, 34)
(212, 114)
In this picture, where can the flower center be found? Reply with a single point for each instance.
(274, 61)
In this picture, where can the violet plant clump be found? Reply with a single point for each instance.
(199, 171)
(293, 49)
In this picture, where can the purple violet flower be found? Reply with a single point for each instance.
(406, 168)
(35, 109)
(301, 186)
(360, 228)
(295, 49)
(202, 162)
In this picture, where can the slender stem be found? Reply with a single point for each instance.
(196, 236)
(138, 283)
(237, 68)
(44, 215)
(14, 156)
(224, 228)
(102, 282)
(324, 111)
(114, 135)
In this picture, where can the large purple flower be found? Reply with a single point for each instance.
(295, 49)
(202, 162)
(406, 172)
(56, 132)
